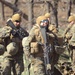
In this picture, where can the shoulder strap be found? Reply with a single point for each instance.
(70, 26)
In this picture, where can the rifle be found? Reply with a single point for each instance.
(20, 33)
(47, 49)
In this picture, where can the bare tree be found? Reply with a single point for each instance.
(13, 7)
(2, 11)
(15, 4)
(48, 6)
(69, 7)
(56, 12)
(30, 13)
(54, 6)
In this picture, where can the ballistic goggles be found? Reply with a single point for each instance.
(44, 21)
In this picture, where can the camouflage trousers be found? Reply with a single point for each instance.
(36, 67)
(72, 54)
(16, 66)
(73, 59)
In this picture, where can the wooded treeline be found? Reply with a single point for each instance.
(30, 9)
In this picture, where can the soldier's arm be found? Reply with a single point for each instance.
(73, 29)
(51, 35)
(67, 29)
(4, 33)
(26, 42)
(72, 40)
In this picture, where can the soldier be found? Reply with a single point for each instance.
(69, 35)
(60, 48)
(32, 46)
(55, 30)
(12, 35)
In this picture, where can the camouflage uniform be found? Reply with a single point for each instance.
(70, 38)
(51, 26)
(13, 56)
(32, 48)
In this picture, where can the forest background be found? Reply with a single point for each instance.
(30, 9)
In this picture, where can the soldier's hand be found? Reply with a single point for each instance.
(48, 66)
(68, 36)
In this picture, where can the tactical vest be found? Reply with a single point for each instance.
(37, 41)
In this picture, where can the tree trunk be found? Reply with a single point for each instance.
(30, 12)
(48, 6)
(15, 3)
(14, 8)
(56, 12)
(2, 11)
(69, 8)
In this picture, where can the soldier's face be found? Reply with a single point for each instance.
(17, 23)
(48, 19)
(71, 22)
(44, 23)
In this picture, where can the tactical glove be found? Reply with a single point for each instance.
(48, 66)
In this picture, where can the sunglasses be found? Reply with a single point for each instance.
(17, 21)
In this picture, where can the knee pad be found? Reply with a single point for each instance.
(12, 48)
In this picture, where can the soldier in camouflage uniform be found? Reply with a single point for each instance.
(13, 56)
(69, 35)
(61, 48)
(33, 49)
(55, 31)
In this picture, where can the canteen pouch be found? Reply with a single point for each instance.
(34, 47)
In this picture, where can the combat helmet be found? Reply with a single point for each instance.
(12, 48)
(16, 17)
(39, 19)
